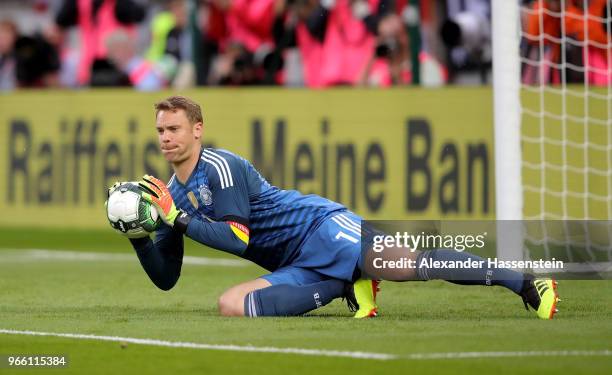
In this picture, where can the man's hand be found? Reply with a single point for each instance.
(157, 193)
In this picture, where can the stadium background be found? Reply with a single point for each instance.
(385, 154)
(411, 151)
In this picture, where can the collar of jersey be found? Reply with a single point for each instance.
(194, 172)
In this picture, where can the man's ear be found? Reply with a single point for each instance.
(197, 130)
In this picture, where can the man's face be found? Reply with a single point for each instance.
(177, 137)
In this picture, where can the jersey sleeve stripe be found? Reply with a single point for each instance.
(349, 222)
(335, 218)
(226, 170)
(212, 156)
(229, 171)
(220, 164)
(214, 164)
(341, 224)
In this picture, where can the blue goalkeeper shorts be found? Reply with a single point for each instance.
(331, 252)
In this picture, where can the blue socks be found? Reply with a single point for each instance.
(467, 276)
(291, 300)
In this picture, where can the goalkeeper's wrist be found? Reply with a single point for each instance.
(181, 222)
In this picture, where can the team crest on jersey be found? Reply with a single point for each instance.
(205, 195)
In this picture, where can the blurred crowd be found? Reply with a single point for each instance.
(567, 40)
(152, 44)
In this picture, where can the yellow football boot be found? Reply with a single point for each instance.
(361, 298)
(541, 295)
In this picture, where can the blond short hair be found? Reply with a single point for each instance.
(174, 103)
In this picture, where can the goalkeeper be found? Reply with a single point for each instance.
(310, 245)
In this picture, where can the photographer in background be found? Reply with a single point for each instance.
(142, 74)
(593, 29)
(37, 62)
(580, 53)
(337, 39)
(390, 62)
(466, 34)
(255, 36)
(8, 36)
(96, 20)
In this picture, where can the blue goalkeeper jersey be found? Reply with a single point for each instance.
(226, 187)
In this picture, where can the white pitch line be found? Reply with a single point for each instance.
(534, 353)
(193, 345)
(30, 255)
(321, 352)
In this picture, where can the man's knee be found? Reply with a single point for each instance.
(231, 304)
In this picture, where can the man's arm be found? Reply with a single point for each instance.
(161, 259)
(231, 234)
(223, 235)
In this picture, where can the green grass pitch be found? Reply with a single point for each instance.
(115, 298)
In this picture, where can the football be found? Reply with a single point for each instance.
(129, 214)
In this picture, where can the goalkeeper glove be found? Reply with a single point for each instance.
(157, 193)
